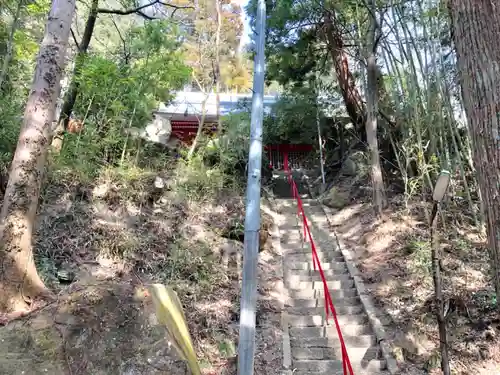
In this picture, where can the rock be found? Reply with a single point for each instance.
(65, 276)
(230, 249)
(349, 168)
(335, 198)
(355, 165)
(159, 182)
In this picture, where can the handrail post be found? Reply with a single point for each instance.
(248, 305)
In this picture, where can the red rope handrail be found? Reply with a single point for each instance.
(329, 307)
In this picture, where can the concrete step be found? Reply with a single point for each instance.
(314, 275)
(325, 250)
(355, 341)
(311, 203)
(320, 302)
(356, 355)
(319, 293)
(335, 366)
(346, 283)
(319, 320)
(307, 266)
(290, 228)
(326, 264)
(357, 371)
(291, 277)
(306, 255)
(339, 372)
(333, 269)
(290, 236)
(330, 332)
(339, 308)
(315, 216)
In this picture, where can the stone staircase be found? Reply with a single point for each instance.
(311, 346)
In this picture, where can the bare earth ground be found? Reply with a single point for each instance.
(111, 247)
(394, 257)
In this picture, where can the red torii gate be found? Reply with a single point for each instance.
(185, 131)
(296, 154)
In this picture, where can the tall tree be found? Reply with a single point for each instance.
(19, 280)
(379, 198)
(476, 29)
(83, 47)
(216, 23)
(202, 39)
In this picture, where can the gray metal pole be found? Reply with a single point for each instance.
(248, 305)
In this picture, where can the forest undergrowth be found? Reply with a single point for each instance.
(100, 241)
(394, 256)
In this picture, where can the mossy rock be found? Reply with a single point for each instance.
(335, 198)
(433, 362)
(356, 165)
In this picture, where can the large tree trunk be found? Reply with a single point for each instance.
(19, 280)
(352, 99)
(379, 198)
(476, 27)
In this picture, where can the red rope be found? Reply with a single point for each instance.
(329, 307)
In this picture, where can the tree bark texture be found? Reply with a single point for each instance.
(476, 31)
(352, 99)
(438, 293)
(379, 198)
(19, 280)
(71, 95)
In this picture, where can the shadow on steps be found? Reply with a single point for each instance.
(283, 190)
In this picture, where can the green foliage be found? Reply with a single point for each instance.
(10, 108)
(15, 87)
(201, 52)
(419, 258)
(116, 97)
(227, 348)
(235, 143)
(292, 119)
(198, 182)
(38, 8)
(229, 151)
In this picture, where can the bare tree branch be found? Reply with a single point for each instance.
(126, 54)
(74, 39)
(138, 10)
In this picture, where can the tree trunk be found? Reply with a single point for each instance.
(379, 198)
(476, 27)
(352, 98)
(70, 97)
(438, 293)
(217, 62)
(201, 124)
(19, 280)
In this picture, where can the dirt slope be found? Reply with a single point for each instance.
(98, 246)
(394, 256)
